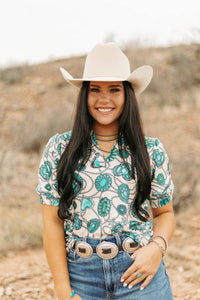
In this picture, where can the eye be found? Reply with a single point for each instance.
(115, 90)
(95, 90)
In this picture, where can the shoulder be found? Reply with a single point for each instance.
(157, 152)
(153, 143)
(57, 143)
(154, 146)
(60, 137)
(65, 136)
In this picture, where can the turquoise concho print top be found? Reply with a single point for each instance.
(104, 205)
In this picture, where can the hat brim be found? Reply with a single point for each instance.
(139, 78)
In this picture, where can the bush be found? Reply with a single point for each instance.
(39, 125)
(13, 75)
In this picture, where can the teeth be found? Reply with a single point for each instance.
(104, 109)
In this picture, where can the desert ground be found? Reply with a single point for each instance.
(31, 98)
(25, 274)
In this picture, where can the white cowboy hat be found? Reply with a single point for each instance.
(106, 62)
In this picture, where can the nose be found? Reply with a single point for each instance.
(104, 97)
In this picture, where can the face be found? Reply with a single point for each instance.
(106, 102)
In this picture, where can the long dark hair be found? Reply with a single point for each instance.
(77, 152)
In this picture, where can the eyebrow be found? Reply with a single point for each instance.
(113, 85)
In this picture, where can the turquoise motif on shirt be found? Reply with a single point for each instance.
(104, 201)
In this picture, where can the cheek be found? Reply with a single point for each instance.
(121, 109)
(90, 101)
(89, 109)
(121, 105)
(90, 105)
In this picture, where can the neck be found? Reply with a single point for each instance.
(105, 129)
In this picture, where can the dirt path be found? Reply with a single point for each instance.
(25, 275)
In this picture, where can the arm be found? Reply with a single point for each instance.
(148, 258)
(163, 222)
(53, 226)
(54, 246)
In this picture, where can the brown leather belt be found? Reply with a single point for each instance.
(105, 249)
(82, 250)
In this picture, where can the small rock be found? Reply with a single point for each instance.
(10, 254)
(8, 291)
(45, 282)
(185, 235)
(1, 291)
(180, 269)
(27, 290)
(24, 276)
(47, 275)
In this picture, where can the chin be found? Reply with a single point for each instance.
(104, 123)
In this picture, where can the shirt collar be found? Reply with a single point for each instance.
(100, 160)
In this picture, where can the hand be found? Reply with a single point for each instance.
(147, 261)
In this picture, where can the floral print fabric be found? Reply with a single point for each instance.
(104, 205)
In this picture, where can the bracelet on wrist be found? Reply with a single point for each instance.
(164, 239)
(159, 245)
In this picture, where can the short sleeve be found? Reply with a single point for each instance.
(162, 186)
(47, 173)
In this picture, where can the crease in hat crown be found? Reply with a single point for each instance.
(107, 62)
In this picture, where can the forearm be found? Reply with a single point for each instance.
(164, 224)
(54, 246)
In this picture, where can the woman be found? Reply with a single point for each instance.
(95, 183)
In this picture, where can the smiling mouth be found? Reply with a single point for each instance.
(104, 109)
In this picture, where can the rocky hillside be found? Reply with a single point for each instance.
(36, 103)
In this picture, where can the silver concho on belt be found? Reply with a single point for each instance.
(130, 245)
(107, 250)
(83, 249)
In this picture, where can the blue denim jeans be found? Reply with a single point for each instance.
(95, 278)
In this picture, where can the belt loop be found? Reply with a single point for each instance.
(118, 239)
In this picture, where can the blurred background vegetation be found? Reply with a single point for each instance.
(36, 103)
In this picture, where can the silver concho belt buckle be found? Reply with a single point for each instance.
(130, 245)
(83, 249)
(107, 250)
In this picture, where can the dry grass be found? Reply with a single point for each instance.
(20, 229)
(38, 125)
(36, 103)
(14, 75)
(27, 276)
(41, 104)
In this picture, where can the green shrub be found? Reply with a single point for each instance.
(13, 75)
(39, 125)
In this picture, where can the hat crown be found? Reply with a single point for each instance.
(106, 60)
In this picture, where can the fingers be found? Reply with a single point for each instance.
(135, 280)
(136, 277)
(139, 271)
(129, 272)
(146, 282)
(132, 272)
